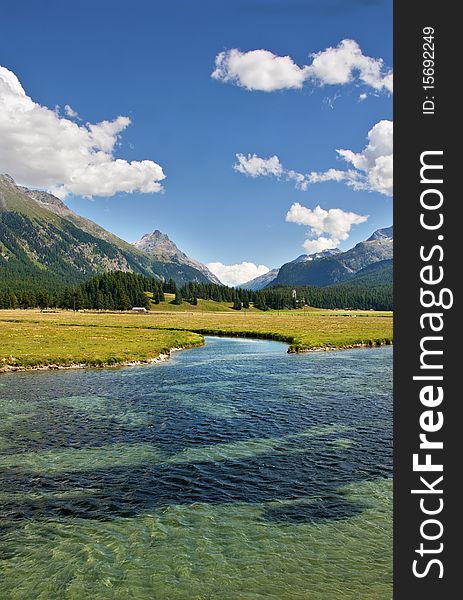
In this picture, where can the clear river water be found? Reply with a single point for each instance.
(231, 471)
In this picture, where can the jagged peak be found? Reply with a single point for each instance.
(44, 198)
(5, 178)
(156, 240)
(316, 255)
(384, 233)
(40, 196)
(154, 235)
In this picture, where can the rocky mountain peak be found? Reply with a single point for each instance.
(44, 198)
(7, 179)
(161, 247)
(158, 243)
(387, 233)
(316, 255)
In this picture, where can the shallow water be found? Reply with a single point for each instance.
(232, 471)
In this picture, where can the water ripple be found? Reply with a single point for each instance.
(232, 467)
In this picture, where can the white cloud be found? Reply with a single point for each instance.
(38, 148)
(327, 228)
(237, 274)
(374, 164)
(329, 175)
(70, 112)
(340, 65)
(372, 168)
(264, 71)
(300, 180)
(304, 180)
(258, 70)
(318, 245)
(255, 166)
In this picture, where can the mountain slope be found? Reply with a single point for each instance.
(269, 278)
(57, 206)
(259, 283)
(376, 248)
(375, 275)
(325, 270)
(43, 244)
(165, 252)
(318, 272)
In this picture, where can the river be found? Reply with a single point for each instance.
(231, 471)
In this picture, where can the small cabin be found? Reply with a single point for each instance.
(139, 309)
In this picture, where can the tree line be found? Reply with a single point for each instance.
(117, 290)
(120, 290)
(288, 297)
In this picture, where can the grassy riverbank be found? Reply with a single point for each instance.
(32, 339)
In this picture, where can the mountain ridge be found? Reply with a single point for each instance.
(43, 243)
(339, 266)
(260, 282)
(160, 246)
(330, 266)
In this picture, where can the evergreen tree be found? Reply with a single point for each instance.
(43, 300)
(237, 304)
(77, 299)
(178, 298)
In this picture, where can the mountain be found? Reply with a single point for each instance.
(268, 279)
(58, 207)
(382, 234)
(44, 244)
(326, 269)
(316, 255)
(166, 255)
(376, 248)
(375, 275)
(258, 283)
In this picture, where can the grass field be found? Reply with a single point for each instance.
(30, 338)
(202, 306)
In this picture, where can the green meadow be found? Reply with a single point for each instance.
(31, 338)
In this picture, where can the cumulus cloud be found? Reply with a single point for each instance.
(237, 274)
(255, 166)
(345, 62)
(38, 148)
(371, 169)
(373, 166)
(261, 70)
(319, 244)
(258, 70)
(326, 228)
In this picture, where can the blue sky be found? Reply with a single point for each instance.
(152, 61)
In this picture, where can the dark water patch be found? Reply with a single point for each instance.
(315, 468)
(332, 507)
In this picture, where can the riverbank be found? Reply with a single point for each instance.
(64, 339)
(162, 357)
